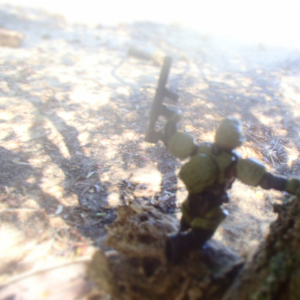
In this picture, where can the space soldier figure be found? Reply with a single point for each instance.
(210, 172)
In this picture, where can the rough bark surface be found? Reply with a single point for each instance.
(138, 270)
(273, 272)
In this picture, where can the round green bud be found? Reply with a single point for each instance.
(229, 133)
(181, 144)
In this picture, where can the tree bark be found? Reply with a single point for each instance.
(273, 272)
(137, 268)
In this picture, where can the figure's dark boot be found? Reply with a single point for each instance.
(179, 244)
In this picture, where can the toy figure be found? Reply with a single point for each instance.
(210, 172)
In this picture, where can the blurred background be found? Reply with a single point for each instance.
(272, 22)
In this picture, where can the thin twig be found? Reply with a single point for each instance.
(50, 148)
(85, 190)
(68, 251)
(255, 140)
(87, 243)
(83, 183)
(173, 187)
(95, 81)
(7, 190)
(263, 148)
(172, 194)
(20, 209)
(49, 245)
(275, 144)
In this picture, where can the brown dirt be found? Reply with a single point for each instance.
(73, 115)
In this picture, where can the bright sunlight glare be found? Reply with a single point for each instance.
(273, 22)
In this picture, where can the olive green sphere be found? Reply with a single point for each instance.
(229, 133)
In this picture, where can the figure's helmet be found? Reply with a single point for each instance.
(229, 133)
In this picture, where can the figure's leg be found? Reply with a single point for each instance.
(180, 244)
(201, 229)
(201, 236)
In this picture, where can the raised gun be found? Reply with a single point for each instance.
(161, 93)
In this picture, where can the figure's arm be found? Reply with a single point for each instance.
(252, 172)
(180, 144)
(270, 181)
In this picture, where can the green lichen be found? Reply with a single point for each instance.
(279, 266)
(279, 271)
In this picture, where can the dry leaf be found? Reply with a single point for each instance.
(90, 174)
(164, 197)
(59, 209)
(171, 194)
(16, 161)
(98, 188)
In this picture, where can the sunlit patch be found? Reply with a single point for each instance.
(130, 135)
(290, 94)
(111, 154)
(54, 186)
(198, 101)
(209, 116)
(265, 120)
(208, 136)
(246, 81)
(292, 156)
(237, 116)
(3, 135)
(219, 234)
(4, 87)
(113, 199)
(269, 98)
(10, 243)
(123, 90)
(247, 151)
(84, 137)
(259, 112)
(81, 94)
(6, 115)
(150, 177)
(19, 122)
(57, 139)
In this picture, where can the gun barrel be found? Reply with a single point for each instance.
(161, 93)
